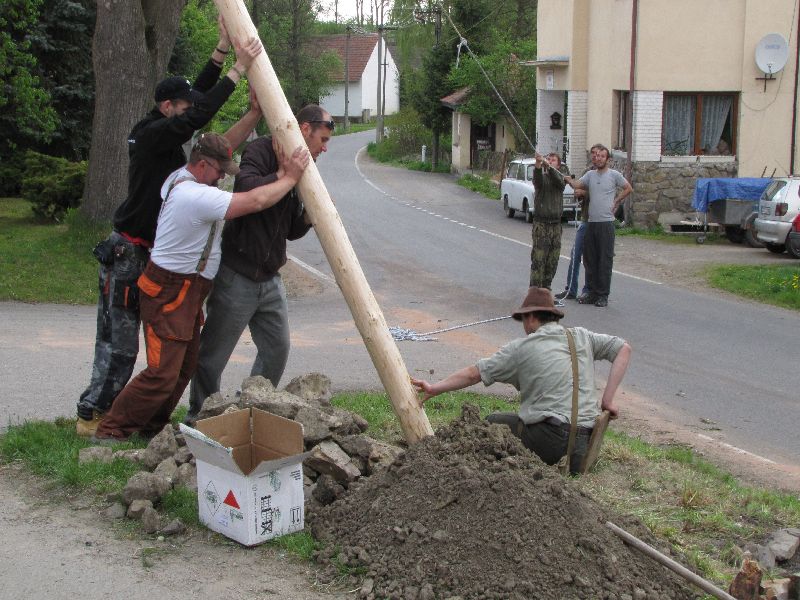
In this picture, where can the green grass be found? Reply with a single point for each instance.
(658, 233)
(301, 544)
(383, 425)
(47, 262)
(778, 285)
(352, 128)
(702, 511)
(482, 185)
(50, 449)
(384, 153)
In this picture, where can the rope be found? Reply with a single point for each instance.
(463, 43)
(399, 334)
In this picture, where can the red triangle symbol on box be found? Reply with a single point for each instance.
(230, 500)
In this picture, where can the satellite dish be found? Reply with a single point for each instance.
(772, 52)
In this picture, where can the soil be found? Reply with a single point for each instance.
(470, 513)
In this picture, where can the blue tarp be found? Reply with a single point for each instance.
(711, 189)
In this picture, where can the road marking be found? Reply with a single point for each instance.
(735, 449)
(310, 269)
(497, 235)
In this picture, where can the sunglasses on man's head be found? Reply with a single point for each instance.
(329, 124)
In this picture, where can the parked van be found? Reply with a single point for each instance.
(517, 193)
(778, 222)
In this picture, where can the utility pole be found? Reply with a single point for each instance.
(347, 81)
(379, 118)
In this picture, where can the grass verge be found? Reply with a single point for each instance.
(353, 128)
(658, 233)
(383, 154)
(482, 185)
(775, 284)
(47, 262)
(704, 513)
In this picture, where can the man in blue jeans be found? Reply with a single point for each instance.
(574, 271)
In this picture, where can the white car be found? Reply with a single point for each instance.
(516, 191)
(778, 222)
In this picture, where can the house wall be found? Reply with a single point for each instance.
(334, 102)
(369, 84)
(548, 102)
(461, 141)
(504, 136)
(682, 46)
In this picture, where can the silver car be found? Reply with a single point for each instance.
(778, 221)
(516, 191)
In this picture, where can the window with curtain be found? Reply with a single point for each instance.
(622, 118)
(696, 124)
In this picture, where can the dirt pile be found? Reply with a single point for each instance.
(470, 513)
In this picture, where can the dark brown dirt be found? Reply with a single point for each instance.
(471, 514)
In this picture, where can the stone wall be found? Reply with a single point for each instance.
(669, 186)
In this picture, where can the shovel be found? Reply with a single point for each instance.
(596, 441)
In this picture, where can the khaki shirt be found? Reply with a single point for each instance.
(539, 366)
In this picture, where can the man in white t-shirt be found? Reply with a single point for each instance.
(178, 277)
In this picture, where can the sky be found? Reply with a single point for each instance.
(347, 9)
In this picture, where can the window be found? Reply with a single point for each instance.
(696, 124)
(512, 170)
(622, 117)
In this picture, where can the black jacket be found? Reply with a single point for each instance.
(255, 245)
(155, 150)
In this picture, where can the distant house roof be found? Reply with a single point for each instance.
(361, 47)
(457, 98)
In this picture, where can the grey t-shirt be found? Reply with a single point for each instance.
(602, 190)
(540, 367)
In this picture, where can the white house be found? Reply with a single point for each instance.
(362, 76)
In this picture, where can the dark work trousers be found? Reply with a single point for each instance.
(172, 314)
(598, 257)
(117, 340)
(545, 248)
(548, 442)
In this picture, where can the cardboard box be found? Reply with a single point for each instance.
(249, 474)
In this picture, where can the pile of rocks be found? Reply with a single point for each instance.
(340, 452)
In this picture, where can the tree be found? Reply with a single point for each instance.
(26, 115)
(287, 27)
(61, 41)
(131, 48)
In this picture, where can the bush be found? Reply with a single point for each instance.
(12, 168)
(53, 185)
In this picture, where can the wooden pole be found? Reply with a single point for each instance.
(678, 568)
(332, 236)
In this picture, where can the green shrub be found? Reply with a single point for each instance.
(52, 184)
(12, 168)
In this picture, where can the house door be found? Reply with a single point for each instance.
(481, 138)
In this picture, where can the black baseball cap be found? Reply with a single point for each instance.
(176, 88)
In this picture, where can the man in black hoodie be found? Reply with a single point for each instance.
(155, 149)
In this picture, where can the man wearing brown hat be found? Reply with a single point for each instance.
(539, 365)
(155, 149)
(177, 279)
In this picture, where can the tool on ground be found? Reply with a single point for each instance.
(595, 441)
(400, 334)
(704, 585)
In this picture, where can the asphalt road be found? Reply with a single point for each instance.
(437, 255)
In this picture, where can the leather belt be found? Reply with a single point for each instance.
(555, 422)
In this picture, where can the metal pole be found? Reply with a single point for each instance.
(347, 81)
(379, 118)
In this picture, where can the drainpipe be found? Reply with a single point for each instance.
(628, 203)
(794, 105)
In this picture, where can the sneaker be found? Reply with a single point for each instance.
(587, 299)
(87, 427)
(558, 303)
(601, 302)
(562, 295)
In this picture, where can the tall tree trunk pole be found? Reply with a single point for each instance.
(366, 313)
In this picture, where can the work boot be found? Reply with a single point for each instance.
(587, 299)
(602, 302)
(87, 427)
